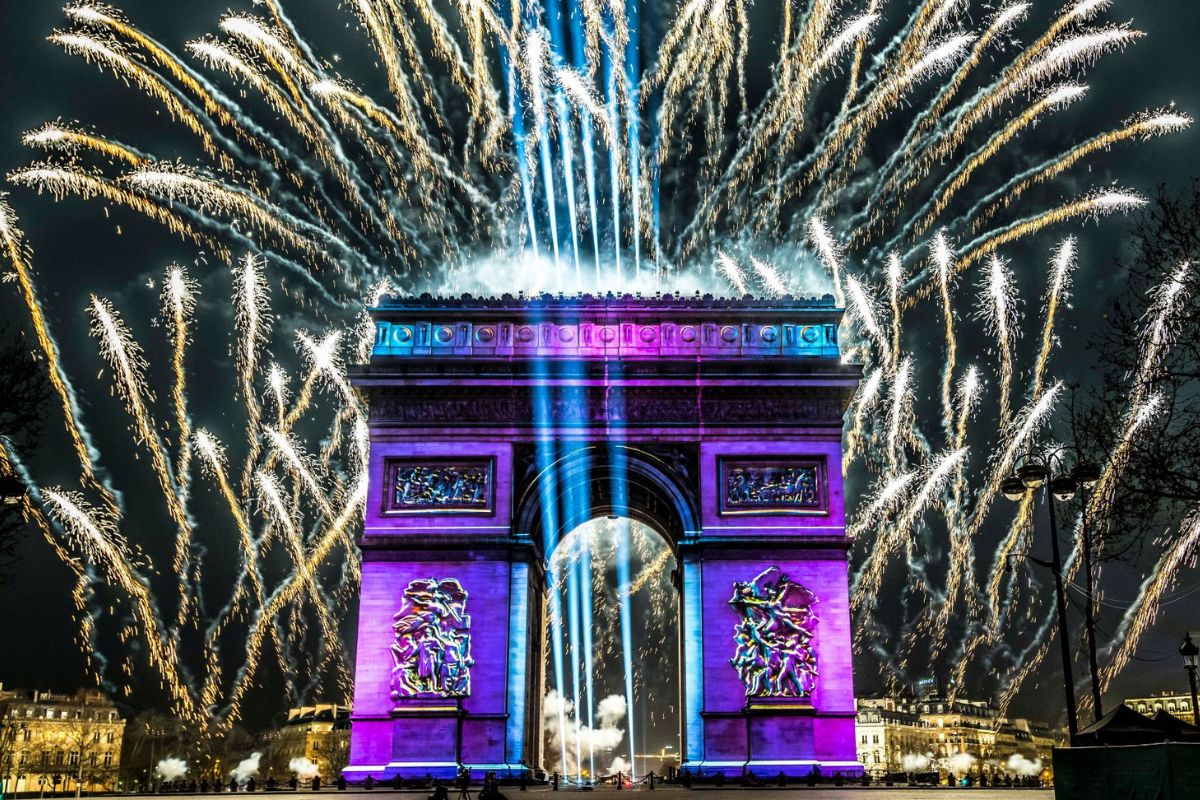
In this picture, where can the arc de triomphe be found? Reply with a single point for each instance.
(499, 425)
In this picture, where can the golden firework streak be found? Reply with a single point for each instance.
(14, 247)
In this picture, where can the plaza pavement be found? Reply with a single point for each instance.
(725, 793)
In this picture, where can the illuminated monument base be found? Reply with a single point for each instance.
(498, 426)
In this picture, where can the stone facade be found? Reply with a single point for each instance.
(57, 742)
(319, 733)
(931, 732)
(499, 425)
(886, 733)
(1175, 703)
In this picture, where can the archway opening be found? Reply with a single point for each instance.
(611, 655)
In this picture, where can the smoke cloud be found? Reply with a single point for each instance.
(915, 762)
(619, 765)
(960, 762)
(171, 769)
(1018, 764)
(305, 770)
(246, 768)
(611, 711)
(579, 741)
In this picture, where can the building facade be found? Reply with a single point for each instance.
(57, 742)
(1174, 703)
(951, 737)
(319, 734)
(499, 425)
(886, 732)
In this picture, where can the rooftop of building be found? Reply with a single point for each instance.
(86, 697)
(339, 715)
(959, 713)
(610, 301)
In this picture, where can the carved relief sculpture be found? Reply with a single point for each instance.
(432, 651)
(441, 486)
(774, 653)
(771, 486)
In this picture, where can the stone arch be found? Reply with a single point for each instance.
(498, 424)
(582, 485)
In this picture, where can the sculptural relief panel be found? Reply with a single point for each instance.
(428, 485)
(774, 653)
(431, 654)
(764, 486)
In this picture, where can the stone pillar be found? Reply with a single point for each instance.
(796, 534)
(437, 524)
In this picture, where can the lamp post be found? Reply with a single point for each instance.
(1190, 651)
(1033, 475)
(1086, 474)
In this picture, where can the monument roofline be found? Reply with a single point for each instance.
(596, 327)
(584, 302)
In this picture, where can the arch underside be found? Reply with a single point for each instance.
(607, 480)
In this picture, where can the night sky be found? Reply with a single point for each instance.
(80, 250)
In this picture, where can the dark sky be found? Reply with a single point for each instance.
(81, 250)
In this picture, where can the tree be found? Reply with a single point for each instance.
(218, 751)
(1161, 483)
(11, 733)
(91, 752)
(335, 752)
(149, 737)
(23, 393)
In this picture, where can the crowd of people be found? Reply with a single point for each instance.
(490, 788)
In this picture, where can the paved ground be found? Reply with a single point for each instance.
(791, 793)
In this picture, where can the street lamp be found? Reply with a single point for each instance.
(1031, 476)
(1086, 475)
(1190, 651)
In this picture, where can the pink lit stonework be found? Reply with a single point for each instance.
(499, 425)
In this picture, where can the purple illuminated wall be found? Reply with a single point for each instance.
(685, 386)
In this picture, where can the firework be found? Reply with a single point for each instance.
(94, 535)
(999, 309)
(730, 271)
(492, 128)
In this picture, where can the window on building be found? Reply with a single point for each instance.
(92, 759)
(95, 737)
(108, 759)
(864, 738)
(73, 759)
(875, 739)
(28, 734)
(109, 738)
